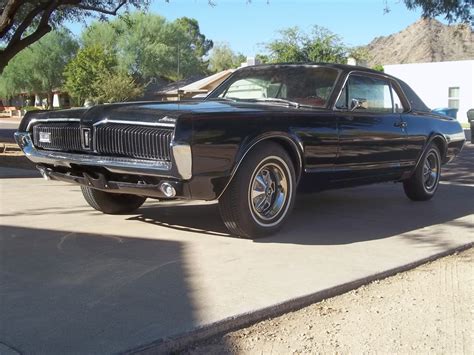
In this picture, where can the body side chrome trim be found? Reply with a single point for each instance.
(367, 166)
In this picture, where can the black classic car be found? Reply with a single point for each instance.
(265, 133)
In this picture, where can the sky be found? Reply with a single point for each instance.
(246, 26)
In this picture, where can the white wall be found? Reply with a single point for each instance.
(432, 80)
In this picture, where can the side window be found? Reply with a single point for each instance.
(397, 103)
(372, 94)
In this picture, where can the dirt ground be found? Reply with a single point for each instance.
(426, 310)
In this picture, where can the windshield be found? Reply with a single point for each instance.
(292, 85)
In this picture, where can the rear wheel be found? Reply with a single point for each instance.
(422, 185)
(261, 194)
(111, 203)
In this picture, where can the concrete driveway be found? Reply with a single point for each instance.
(7, 129)
(73, 280)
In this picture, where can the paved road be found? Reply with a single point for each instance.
(74, 280)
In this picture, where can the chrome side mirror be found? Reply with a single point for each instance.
(358, 103)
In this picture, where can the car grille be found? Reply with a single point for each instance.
(114, 139)
(135, 141)
(60, 136)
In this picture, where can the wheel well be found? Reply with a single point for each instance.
(292, 151)
(440, 143)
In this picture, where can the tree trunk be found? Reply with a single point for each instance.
(50, 100)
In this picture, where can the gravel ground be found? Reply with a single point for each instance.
(426, 310)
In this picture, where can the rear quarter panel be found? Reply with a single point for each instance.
(423, 128)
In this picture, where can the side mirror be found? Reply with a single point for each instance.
(358, 103)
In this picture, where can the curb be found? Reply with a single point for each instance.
(177, 343)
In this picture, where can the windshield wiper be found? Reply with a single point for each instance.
(233, 99)
(283, 101)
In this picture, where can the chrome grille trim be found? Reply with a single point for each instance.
(138, 123)
(45, 120)
(140, 142)
(113, 164)
(63, 135)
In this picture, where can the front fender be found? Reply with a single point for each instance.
(215, 164)
(290, 142)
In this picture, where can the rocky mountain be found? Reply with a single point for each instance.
(424, 41)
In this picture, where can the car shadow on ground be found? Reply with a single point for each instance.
(85, 293)
(333, 217)
(461, 169)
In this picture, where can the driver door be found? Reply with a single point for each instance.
(372, 135)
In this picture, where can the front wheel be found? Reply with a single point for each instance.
(111, 203)
(422, 185)
(261, 194)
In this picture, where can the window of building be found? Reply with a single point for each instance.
(453, 97)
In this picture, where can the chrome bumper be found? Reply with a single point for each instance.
(182, 169)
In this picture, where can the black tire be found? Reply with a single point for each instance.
(269, 163)
(424, 182)
(111, 203)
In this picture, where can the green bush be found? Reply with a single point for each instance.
(378, 67)
(31, 108)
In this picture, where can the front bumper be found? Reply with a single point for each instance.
(99, 181)
(88, 170)
(180, 170)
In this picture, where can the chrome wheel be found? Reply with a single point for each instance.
(431, 171)
(261, 195)
(269, 192)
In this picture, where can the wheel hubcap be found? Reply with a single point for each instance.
(269, 191)
(431, 171)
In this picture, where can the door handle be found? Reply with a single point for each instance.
(401, 124)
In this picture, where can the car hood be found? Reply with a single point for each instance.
(160, 112)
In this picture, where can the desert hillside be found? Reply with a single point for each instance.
(423, 41)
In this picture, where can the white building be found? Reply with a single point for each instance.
(441, 84)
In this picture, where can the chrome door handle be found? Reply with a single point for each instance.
(401, 124)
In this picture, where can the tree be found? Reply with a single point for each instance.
(325, 46)
(223, 57)
(148, 46)
(39, 69)
(360, 53)
(116, 87)
(262, 58)
(82, 73)
(452, 10)
(321, 45)
(24, 22)
(378, 67)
